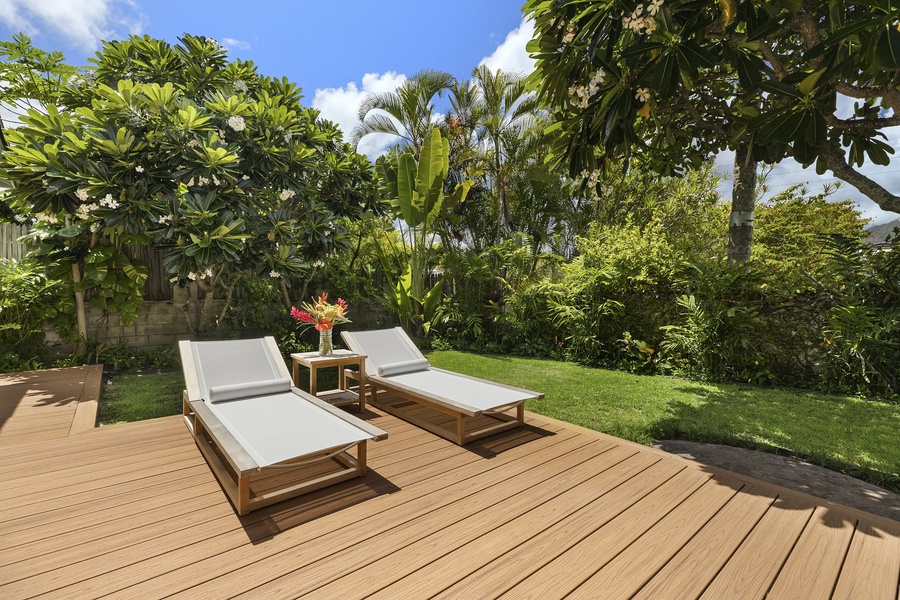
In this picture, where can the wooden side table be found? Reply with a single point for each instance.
(340, 359)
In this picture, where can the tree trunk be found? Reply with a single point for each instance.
(80, 315)
(285, 294)
(743, 199)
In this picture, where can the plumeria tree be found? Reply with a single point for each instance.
(175, 146)
(671, 82)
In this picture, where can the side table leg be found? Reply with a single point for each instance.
(313, 384)
(362, 386)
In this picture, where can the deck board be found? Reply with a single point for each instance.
(38, 406)
(542, 511)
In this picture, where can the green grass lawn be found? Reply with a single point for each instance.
(848, 434)
(140, 396)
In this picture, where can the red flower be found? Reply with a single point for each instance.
(342, 303)
(302, 315)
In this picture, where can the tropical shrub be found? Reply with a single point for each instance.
(27, 301)
(862, 322)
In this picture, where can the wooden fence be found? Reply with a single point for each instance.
(9, 244)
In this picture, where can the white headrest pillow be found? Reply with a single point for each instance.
(236, 391)
(406, 366)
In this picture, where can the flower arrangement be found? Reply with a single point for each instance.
(320, 314)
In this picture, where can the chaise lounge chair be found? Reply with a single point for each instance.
(477, 407)
(265, 440)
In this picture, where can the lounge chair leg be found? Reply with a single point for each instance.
(361, 453)
(520, 412)
(243, 495)
(461, 430)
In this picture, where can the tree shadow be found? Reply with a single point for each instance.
(744, 419)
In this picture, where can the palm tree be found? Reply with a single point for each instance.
(407, 112)
(505, 110)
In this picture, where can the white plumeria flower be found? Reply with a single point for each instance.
(287, 194)
(239, 85)
(643, 94)
(193, 144)
(139, 169)
(237, 123)
(654, 6)
(570, 33)
(274, 274)
(245, 177)
(109, 202)
(82, 194)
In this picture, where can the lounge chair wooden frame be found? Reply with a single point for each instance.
(236, 469)
(500, 418)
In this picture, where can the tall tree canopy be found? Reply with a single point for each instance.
(671, 82)
(179, 147)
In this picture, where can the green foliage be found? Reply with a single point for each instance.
(415, 187)
(717, 336)
(674, 83)
(650, 292)
(862, 323)
(177, 147)
(26, 303)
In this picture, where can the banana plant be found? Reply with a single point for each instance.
(416, 190)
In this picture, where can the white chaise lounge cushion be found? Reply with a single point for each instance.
(248, 389)
(406, 366)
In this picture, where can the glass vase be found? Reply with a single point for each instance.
(325, 346)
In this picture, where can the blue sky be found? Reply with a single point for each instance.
(339, 51)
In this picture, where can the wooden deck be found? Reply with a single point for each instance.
(45, 405)
(545, 511)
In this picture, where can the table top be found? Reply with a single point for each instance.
(339, 356)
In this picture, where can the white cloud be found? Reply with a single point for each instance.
(340, 106)
(511, 54)
(789, 172)
(233, 44)
(84, 23)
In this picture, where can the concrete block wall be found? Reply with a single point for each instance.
(161, 324)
